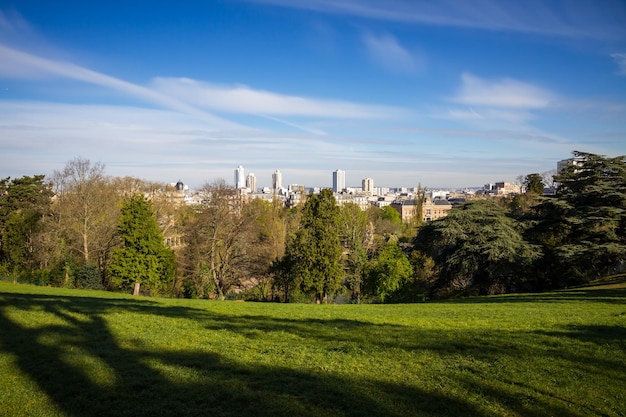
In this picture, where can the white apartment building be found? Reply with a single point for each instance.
(240, 179)
(339, 181)
(277, 180)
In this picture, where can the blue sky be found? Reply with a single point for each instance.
(445, 93)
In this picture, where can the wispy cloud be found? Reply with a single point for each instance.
(555, 18)
(388, 53)
(163, 144)
(243, 99)
(502, 93)
(12, 23)
(620, 59)
(21, 64)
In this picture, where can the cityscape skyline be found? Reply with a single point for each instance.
(339, 184)
(446, 94)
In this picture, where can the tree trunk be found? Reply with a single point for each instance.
(136, 290)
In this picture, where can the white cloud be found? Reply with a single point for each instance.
(17, 63)
(620, 59)
(386, 51)
(506, 92)
(574, 19)
(243, 99)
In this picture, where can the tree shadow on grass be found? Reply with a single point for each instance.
(78, 363)
(598, 295)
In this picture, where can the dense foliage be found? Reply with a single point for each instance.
(312, 257)
(71, 232)
(583, 228)
(477, 248)
(142, 259)
(23, 204)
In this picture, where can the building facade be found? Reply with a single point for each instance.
(240, 179)
(277, 180)
(251, 182)
(339, 181)
(368, 186)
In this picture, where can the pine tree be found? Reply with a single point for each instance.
(313, 257)
(142, 259)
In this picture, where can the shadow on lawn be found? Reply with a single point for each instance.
(598, 295)
(127, 385)
(218, 386)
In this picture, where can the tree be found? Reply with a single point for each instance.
(142, 258)
(389, 271)
(548, 180)
(353, 224)
(218, 237)
(477, 248)
(86, 209)
(24, 202)
(420, 199)
(583, 227)
(533, 184)
(266, 243)
(313, 256)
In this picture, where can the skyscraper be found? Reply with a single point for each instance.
(339, 181)
(240, 179)
(251, 182)
(368, 186)
(277, 180)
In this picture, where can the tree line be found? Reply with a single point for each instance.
(81, 228)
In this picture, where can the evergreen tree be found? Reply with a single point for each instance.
(313, 257)
(533, 183)
(142, 259)
(23, 203)
(477, 248)
(583, 228)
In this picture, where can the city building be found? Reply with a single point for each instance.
(368, 186)
(339, 181)
(240, 179)
(563, 164)
(431, 209)
(251, 182)
(277, 180)
(502, 189)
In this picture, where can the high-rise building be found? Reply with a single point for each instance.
(339, 181)
(240, 179)
(251, 182)
(368, 186)
(277, 180)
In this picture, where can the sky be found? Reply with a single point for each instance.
(441, 93)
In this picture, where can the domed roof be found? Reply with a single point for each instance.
(180, 186)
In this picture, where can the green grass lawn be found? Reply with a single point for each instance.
(82, 353)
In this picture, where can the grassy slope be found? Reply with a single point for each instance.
(77, 353)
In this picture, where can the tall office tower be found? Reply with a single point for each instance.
(251, 182)
(339, 181)
(240, 179)
(277, 180)
(368, 186)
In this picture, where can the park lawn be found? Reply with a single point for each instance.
(82, 353)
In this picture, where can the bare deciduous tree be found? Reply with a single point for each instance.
(86, 209)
